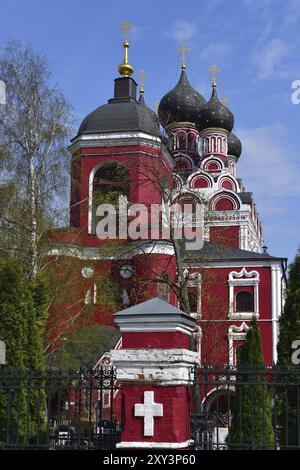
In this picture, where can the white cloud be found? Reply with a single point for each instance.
(269, 60)
(216, 51)
(182, 30)
(293, 12)
(269, 166)
(259, 6)
(288, 12)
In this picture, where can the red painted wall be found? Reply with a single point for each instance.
(228, 235)
(155, 340)
(175, 425)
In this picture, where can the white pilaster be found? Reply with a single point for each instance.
(276, 307)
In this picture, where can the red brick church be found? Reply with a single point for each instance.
(230, 279)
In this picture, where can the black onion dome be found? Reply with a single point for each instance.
(214, 114)
(143, 103)
(181, 104)
(122, 113)
(234, 145)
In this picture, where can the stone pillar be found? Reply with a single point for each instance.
(155, 370)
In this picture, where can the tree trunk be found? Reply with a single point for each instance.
(33, 219)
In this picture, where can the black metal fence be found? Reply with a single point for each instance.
(59, 410)
(246, 408)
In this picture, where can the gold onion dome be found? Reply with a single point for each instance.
(125, 69)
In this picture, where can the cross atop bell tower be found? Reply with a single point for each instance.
(125, 69)
(182, 50)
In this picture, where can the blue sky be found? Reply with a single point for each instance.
(255, 43)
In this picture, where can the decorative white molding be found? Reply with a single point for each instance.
(194, 176)
(113, 139)
(236, 276)
(258, 263)
(159, 366)
(148, 410)
(83, 253)
(226, 194)
(235, 333)
(212, 158)
(155, 445)
(237, 279)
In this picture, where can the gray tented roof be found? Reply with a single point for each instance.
(151, 306)
(218, 252)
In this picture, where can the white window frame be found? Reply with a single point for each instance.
(195, 281)
(237, 279)
(235, 333)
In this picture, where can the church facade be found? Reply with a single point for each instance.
(124, 151)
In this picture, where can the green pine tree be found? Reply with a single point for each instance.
(289, 328)
(14, 300)
(289, 324)
(35, 362)
(251, 426)
(22, 399)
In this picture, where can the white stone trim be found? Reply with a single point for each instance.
(233, 264)
(141, 328)
(235, 280)
(227, 388)
(76, 251)
(155, 366)
(212, 158)
(226, 194)
(119, 135)
(235, 333)
(155, 445)
(113, 139)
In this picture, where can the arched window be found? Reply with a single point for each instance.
(201, 182)
(182, 141)
(213, 167)
(193, 299)
(224, 204)
(244, 302)
(187, 204)
(191, 142)
(110, 182)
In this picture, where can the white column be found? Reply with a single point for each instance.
(276, 307)
(243, 237)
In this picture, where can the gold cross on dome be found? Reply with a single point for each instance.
(142, 77)
(214, 71)
(225, 101)
(126, 26)
(182, 50)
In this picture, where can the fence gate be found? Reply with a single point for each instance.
(60, 410)
(246, 408)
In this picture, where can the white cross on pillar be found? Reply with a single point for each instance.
(148, 410)
(2, 92)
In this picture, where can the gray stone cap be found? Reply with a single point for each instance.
(154, 314)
